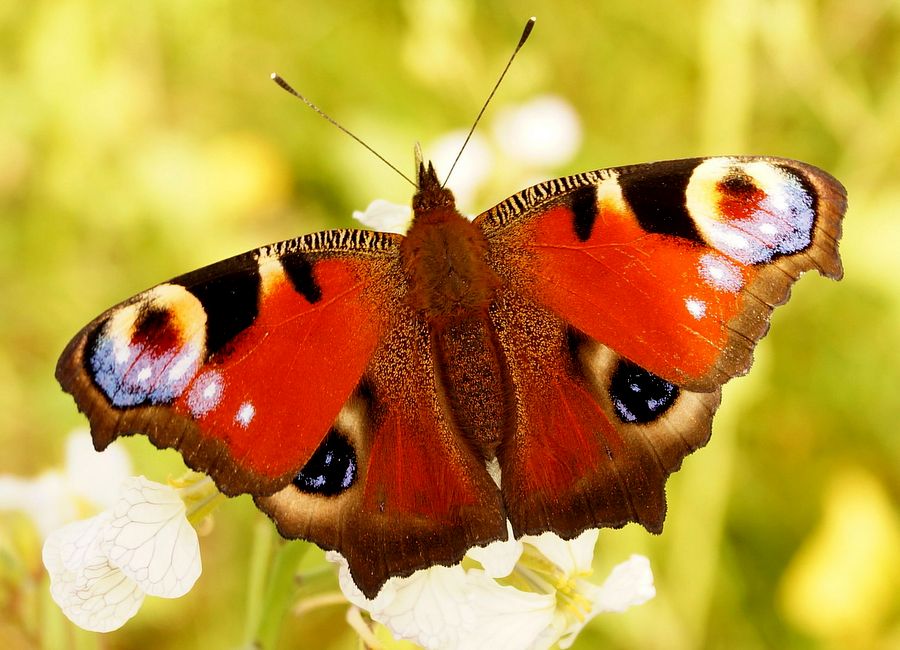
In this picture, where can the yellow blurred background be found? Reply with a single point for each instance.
(142, 140)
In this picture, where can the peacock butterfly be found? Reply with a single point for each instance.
(399, 398)
(360, 385)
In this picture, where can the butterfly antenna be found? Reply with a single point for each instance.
(525, 34)
(286, 86)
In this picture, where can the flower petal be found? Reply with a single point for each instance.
(385, 216)
(150, 539)
(450, 608)
(473, 167)
(353, 593)
(92, 593)
(500, 557)
(505, 617)
(430, 608)
(571, 556)
(629, 584)
(44, 499)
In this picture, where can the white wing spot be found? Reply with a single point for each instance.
(720, 273)
(122, 353)
(205, 393)
(144, 374)
(186, 362)
(245, 414)
(697, 308)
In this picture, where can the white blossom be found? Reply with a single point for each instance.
(545, 131)
(101, 568)
(473, 168)
(524, 594)
(385, 216)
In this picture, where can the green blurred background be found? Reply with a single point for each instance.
(142, 140)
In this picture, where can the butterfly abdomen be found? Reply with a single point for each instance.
(473, 381)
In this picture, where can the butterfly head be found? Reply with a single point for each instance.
(430, 194)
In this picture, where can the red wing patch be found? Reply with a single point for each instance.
(413, 472)
(662, 302)
(423, 495)
(275, 390)
(242, 366)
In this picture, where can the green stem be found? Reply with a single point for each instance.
(260, 554)
(280, 590)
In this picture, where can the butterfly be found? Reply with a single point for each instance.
(399, 398)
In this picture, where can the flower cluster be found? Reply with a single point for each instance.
(518, 594)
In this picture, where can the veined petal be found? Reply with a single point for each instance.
(150, 539)
(91, 592)
(429, 607)
(449, 608)
(505, 617)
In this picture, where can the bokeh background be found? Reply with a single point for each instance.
(142, 140)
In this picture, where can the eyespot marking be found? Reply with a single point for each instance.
(148, 351)
(751, 211)
(639, 396)
(332, 469)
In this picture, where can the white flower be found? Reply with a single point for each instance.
(515, 594)
(544, 132)
(86, 485)
(385, 216)
(101, 568)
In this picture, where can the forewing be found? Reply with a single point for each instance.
(243, 365)
(674, 265)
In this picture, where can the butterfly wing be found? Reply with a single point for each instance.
(243, 365)
(297, 373)
(647, 287)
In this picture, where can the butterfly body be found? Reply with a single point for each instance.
(452, 288)
(400, 398)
